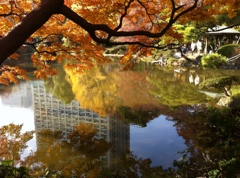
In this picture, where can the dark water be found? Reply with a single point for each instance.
(129, 109)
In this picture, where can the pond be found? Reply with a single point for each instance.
(116, 114)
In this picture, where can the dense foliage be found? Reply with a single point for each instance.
(220, 82)
(229, 50)
(213, 60)
(58, 30)
(213, 138)
(7, 170)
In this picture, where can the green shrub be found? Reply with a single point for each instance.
(9, 171)
(236, 91)
(220, 82)
(213, 60)
(229, 50)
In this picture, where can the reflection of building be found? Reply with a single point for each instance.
(51, 113)
(21, 96)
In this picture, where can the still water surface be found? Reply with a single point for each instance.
(153, 136)
(158, 141)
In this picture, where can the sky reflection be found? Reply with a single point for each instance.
(158, 141)
(17, 115)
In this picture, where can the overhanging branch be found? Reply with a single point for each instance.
(92, 28)
(36, 18)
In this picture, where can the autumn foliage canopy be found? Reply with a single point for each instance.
(78, 30)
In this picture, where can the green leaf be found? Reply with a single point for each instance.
(6, 163)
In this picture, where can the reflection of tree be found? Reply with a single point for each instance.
(68, 158)
(138, 117)
(174, 92)
(59, 87)
(5, 91)
(136, 100)
(13, 142)
(107, 90)
(213, 137)
(96, 89)
(216, 135)
(134, 90)
(106, 87)
(133, 167)
(221, 82)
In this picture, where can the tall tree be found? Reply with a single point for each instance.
(51, 27)
(101, 33)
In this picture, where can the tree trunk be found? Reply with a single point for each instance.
(24, 29)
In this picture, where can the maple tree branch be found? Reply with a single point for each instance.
(92, 28)
(37, 17)
(31, 23)
(146, 10)
(187, 10)
(124, 14)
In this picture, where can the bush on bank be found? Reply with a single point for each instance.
(213, 60)
(229, 50)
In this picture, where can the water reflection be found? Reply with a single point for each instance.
(80, 154)
(13, 142)
(140, 136)
(18, 96)
(16, 106)
(161, 140)
(54, 115)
